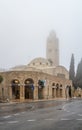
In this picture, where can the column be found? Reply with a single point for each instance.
(22, 93)
(45, 94)
(64, 92)
(10, 92)
(35, 92)
(54, 92)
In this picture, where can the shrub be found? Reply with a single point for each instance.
(1, 79)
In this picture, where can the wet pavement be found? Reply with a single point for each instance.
(50, 115)
(12, 108)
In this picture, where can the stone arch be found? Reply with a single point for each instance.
(29, 88)
(60, 85)
(53, 84)
(68, 91)
(61, 90)
(57, 90)
(53, 90)
(15, 85)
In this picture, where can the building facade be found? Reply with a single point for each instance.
(42, 78)
(32, 85)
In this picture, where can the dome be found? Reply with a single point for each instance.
(39, 62)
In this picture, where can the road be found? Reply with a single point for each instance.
(42, 116)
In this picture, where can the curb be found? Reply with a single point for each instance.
(30, 101)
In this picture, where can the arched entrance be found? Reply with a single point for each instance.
(61, 91)
(53, 90)
(29, 88)
(68, 91)
(40, 89)
(15, 84)
(57, 90)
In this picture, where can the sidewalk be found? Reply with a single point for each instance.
(29, 101)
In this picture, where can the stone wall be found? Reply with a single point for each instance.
(21, 76)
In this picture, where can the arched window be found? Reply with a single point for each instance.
(53, 84)
(57, 85)
(15, 84)
(33, 63)
(29, 88)
(29, 81)
(60, 85)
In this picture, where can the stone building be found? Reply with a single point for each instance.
(42, 78)
(78, 92)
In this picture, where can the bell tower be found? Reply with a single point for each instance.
(52, 49)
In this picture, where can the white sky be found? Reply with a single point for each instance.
(26, 24)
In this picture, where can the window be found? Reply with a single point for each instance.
(33, 63)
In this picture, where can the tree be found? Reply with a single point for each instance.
(41, 83)
(79, 75)
(72, 70)
(1, 79)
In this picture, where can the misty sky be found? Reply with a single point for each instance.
(26, 24)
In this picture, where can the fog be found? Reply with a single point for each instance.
(26, 24)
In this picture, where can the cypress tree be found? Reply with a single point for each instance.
(79, 75)
(72, 70)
